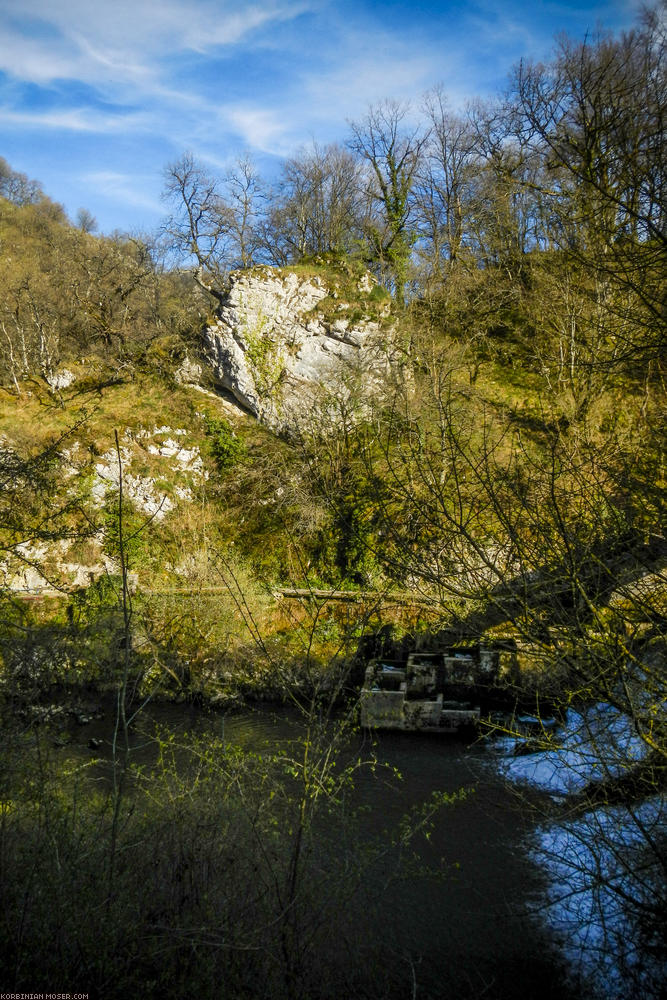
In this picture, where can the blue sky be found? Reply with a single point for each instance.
(96, 96)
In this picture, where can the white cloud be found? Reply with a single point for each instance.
(76, 120)
(122, 188)
(213, 30)
(219, 76)
(346, 91)
(262, 129)
(42, 41)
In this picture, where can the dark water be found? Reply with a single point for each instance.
(469, 926)
(456, 921)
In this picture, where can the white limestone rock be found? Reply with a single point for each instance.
(273, 353)
(188, 373)
(141, 490)
(60, 379)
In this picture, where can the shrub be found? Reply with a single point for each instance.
(227, 449)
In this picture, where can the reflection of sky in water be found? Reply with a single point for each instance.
(599, 743)
(596, 863)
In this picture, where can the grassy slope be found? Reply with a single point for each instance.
(255, 523)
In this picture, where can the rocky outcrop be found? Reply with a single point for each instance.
(53, 566)
(282, 337)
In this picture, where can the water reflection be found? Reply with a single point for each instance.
(454, 917)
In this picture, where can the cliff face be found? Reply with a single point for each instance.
(283, 337)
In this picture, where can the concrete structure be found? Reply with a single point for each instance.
(413, 697)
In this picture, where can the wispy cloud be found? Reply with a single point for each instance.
(76, 120)
(346, 90)
(103, 43)
(123, 188)
(131, 83)
(258, 128)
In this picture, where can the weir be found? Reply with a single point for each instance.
(428, 692)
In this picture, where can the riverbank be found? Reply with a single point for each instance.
(397, 877)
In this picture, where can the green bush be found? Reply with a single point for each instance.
(136, 543)
(227, 449)
(378, 293)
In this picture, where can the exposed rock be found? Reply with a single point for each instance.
(79, 575)
(61, 379)
(366, 282)
(273, 350)
(139, 489)
(188, 373)
(179, 431)
(142, 490)
(40, 567)
(186, 458)
(24, 573)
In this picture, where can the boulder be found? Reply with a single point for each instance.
(275, 349)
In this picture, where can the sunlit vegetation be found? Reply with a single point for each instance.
(508, 481)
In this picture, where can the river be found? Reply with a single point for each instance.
(458, 923)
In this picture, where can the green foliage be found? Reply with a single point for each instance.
(354, 294)
(265, 358)
(227, 448)
(378, 293)
(229, 845)
(512, 471)
(100, 597)
(352, 538)
(164, 353)
(134, 526)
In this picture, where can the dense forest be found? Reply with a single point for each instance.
(504, 478)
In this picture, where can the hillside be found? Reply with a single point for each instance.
(373, 441)
(212, 499)
(248, 493)
(491, 451)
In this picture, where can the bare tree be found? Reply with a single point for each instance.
(29, 327)
(86, 221)
(318, 204)
(392, 149)
(199, 225)
(17, 187)
(242, 205)
(445, 185)
(541, 535)
(596, 115)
